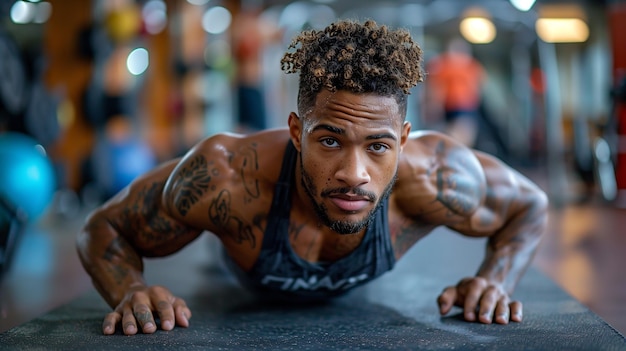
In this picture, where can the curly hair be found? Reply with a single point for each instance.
(360, 58)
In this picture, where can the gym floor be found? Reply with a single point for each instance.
(583, 252)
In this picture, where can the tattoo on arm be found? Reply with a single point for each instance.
(249, 166)
(119, 248)
(141, 219)
(220, 208)
(219, 213)
(457, 192)
(192, 182)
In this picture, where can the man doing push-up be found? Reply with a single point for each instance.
(327, 203)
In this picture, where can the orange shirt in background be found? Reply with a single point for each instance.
(456, 79)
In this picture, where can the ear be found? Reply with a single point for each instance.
(404, 135)
(295, 130)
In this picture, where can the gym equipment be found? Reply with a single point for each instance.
(27, 180)
(12, 77)
(123, 24)
(41, 114)
(117, 162)
(10, 230)
(617, 24)
(557, 174)
(604, 170)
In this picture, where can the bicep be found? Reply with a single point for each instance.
(140, 215)
(444, 185)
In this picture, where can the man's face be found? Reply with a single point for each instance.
(349, 149)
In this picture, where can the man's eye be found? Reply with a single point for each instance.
(330, 142)
(379, 148)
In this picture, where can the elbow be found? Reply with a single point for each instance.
(89, 240)
(537, 212)
(540, 200)
(84, 242)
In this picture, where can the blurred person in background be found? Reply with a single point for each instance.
(454, 90)
(251, 33)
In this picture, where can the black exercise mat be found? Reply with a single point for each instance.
(396, 312)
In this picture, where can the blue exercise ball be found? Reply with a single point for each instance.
(118, 163)
(27, 177)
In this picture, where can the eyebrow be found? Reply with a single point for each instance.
(341, 131)
(329, 128)
(381, 136)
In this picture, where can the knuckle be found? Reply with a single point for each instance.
(159, 290)
(492, 291)
(180, 303)
(163, 305)
(136, 295)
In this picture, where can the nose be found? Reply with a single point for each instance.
(352, 169)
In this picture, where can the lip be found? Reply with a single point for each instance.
(350, 203)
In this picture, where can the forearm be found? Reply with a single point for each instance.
(114, 266)
(511, 249)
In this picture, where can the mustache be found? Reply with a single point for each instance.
(344, 190)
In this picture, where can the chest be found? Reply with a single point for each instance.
(315, 243)
(406, 232)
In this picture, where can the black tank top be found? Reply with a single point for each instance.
(281, 272)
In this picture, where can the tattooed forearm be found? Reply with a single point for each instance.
(118, 251)
(121, 249)
(118, 274)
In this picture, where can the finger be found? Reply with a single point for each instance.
(109, 323)
(182, 313)
(144, 318)
(129, 323)
(446, 299)
(502, 312)
(516, 311)
(471, 302)
(487, 305)
(166, 314)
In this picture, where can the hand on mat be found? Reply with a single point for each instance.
(136, 311)
(478, 295)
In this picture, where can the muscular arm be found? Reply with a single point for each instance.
(132, 225)
(217, 187)
(444, 183)
(513, 215)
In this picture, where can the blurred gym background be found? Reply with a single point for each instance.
(94, 93)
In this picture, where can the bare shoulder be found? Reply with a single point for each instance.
(440, 181)
(238, 171)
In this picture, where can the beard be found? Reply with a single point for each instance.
(343, 226)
